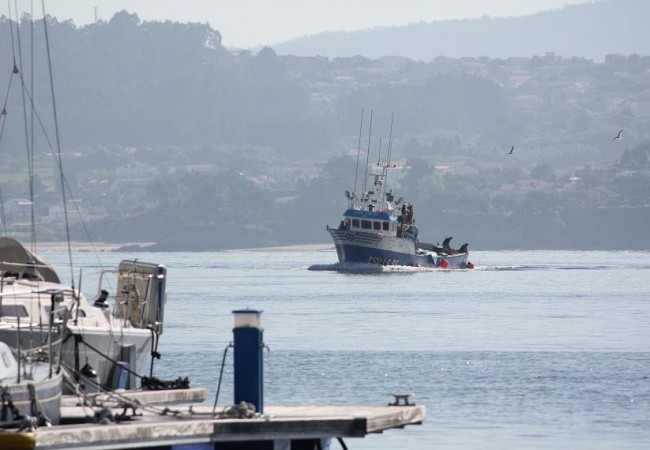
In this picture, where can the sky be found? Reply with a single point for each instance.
(254, 23)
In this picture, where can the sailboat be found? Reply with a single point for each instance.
(30, 389)
(107, 343)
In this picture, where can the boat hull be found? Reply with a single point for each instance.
(48, 393)
(372, 248)
(130, 346)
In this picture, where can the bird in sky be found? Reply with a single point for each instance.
(619, 136)
(512, 149)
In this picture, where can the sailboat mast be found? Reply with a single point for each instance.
(28, 144)
(58, 142)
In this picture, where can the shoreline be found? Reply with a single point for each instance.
(108, 246)
(88, 246)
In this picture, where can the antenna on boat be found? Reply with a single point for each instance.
(389, 154)
(356, 173)
(365, 179)
(379, 154)
(390, 140)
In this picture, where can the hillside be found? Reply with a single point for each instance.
(169, 137)
(590, 30)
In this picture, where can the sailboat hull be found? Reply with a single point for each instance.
(45, 396)
(126, 347)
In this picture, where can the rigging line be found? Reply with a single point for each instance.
(58, 162)
(356, 172)
(58, 159)
(31, 121)
(11, 29)
(117, 397)
(389, 153)
(3, 216)
(379, 153)
(58, 142)
(365, 180)
(29, 147)
(3, 111)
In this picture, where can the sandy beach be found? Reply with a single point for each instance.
(89, 246)
(294, 248)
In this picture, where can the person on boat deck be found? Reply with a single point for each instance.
(370, 207)
(343, 225)
(446, 247)
(101, 300)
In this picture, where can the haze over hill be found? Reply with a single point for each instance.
(169, 137)
(590, 30)
(250, 24)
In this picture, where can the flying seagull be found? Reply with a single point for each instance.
(619, 136)
(512, 149)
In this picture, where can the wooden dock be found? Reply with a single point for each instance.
(174, 420)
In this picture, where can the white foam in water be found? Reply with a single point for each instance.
(370, 268)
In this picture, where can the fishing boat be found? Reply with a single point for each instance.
(378, 228)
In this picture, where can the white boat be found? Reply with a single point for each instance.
(106, 344)
(30, 390)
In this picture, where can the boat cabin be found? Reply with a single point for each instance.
(380, 222)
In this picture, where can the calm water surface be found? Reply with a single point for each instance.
(536, 350)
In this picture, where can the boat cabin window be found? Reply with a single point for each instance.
(13, 311)
(355, 223)
(376, 225)
(366, 224)
(385, 225)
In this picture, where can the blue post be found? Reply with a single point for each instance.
(249, 368)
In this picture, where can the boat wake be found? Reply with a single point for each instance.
(356, 267)
(536, 267)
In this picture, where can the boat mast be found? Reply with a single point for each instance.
(389, 153)
(59, 159)
(379, 179)
(356, 173)
(365, 179)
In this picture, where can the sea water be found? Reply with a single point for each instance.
(532, 349)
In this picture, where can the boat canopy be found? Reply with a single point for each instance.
(17, 260)
(376, 215)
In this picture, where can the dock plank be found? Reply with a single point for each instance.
(277, 422)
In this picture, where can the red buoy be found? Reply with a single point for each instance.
(444, 264)
(470, 265)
